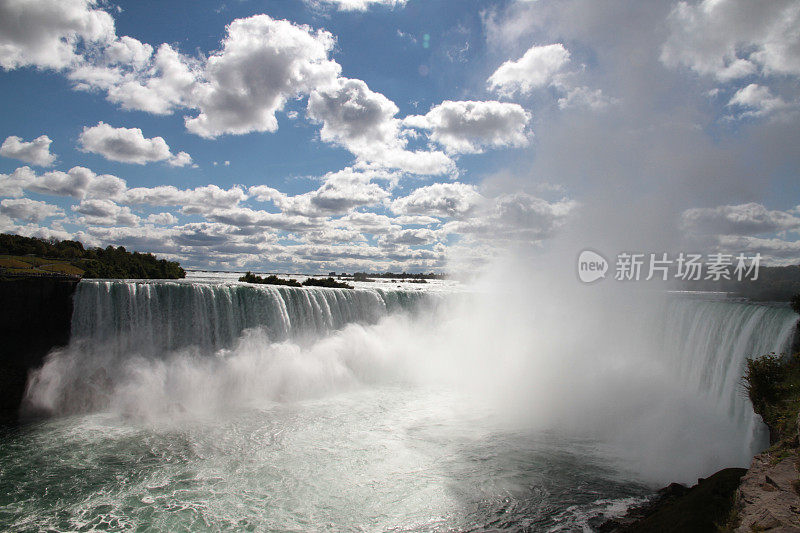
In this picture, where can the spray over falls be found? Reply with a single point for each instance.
(120, 324)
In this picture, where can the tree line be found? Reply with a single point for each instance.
(362, 276)
(109, 262)
(272, 279)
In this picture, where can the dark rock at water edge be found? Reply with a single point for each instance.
(35, 317)
(704, 507)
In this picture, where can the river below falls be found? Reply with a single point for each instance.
(379, 459)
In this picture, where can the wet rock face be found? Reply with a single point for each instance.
(768, 497)
(35, 317)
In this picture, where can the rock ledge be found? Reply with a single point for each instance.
(768, 499)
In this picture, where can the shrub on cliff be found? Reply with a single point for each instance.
(795, 303)
(773, 385)
(762, 380)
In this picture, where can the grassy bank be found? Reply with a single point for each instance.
(15, 264)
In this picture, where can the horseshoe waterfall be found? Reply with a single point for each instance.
(217, 405)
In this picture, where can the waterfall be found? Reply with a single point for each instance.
(140, 347)
(707, 343)
(151, 344)
(154, 318)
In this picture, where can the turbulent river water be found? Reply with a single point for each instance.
(213, 405)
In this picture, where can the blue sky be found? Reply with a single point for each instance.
(339, 135)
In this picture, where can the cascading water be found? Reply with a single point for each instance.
(707, 343)
(133, 342)
(158, 317)
(222, 406)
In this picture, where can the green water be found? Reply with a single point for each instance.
(384, 459)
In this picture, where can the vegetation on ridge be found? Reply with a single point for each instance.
(326, 282)
(366, 276)
(42, 257)
(269, 280)
(773, 386)
(272, 279)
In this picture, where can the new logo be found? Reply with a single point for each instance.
(591, 266)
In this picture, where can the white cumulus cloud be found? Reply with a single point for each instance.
(451, 200)
(340, 192)
(35, 152)
(584, 97)
(28, 210)
(731, 39)
(757, 100)
(469, 127)
(165, 82)
(129, 145)
(354, 116)
(77, 182)
(13, 184)
(742, 219)
(105, 213)
(363, 121)
(208, 196)
(357, 5)
(263, 62)
(537, 68)
(162, 219)
(44, 33)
